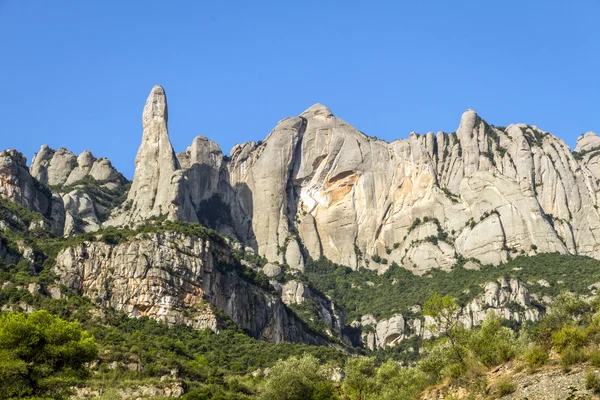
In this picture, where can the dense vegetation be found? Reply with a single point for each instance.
(366, 292)
(42, 355)
(459, 357)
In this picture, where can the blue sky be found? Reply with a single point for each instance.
(77, 73)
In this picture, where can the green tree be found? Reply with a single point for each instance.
(42, 355)
(298, 379)
(395, 382)
(444, 312)
(493, 343)
(360, 381)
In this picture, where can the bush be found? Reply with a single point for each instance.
(504, 387)
(493, 344)
(570, 356)
(595, 358)
(360, 379)
(592, 382)
(535, 357)
(297, 379)
(569, 337)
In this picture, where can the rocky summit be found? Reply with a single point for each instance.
(316, 187)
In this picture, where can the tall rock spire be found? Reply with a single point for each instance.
(158, 186)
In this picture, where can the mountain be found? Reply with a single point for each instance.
(318, 187)
(319, 235)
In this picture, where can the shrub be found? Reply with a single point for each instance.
(595, 358)
(504, 387)
(535, 357)
(592, 382)
(493, 344)
(297, 379)
(360, 379)
(569, 337)
(570, 356)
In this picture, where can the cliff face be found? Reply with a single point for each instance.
(177, 278)
(318, 187)
(318, 184)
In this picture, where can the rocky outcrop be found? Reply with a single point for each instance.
(385, 333)
(18, 186)
(88, 186)
(159, 186)
(169, 388)
(177, 279)
(509, 300)
(61, 167)
(294, 292)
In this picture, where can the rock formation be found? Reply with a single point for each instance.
(86, 185)
(315, 187)
(318, 187)
(506, 299)
(18, 186)
(294, 292)
(159, 186)
(177, 278)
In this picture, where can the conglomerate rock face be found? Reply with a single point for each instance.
(177, 278)
(18, 186)
(159, 186)
(318, 187)
(70, 177)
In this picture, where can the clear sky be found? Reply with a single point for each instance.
(77, 73)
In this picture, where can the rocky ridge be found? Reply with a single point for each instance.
(89, 187)
(322, 188)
